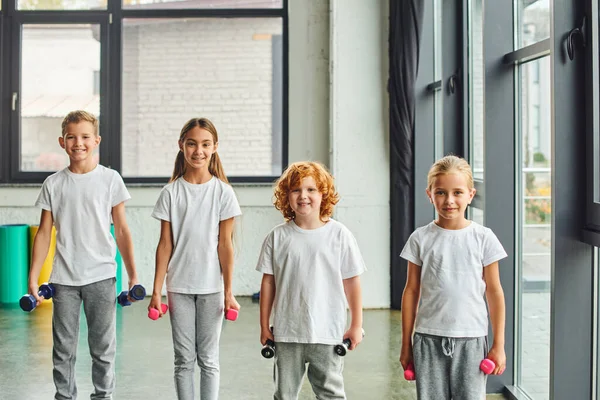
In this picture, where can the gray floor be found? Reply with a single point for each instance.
(145, 358)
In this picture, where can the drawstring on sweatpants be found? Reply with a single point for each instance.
(448, 345)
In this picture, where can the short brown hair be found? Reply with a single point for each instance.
(291, 179)
(75, 117)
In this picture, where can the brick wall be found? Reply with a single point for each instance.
(215, 68)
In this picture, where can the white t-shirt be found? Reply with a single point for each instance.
(81, 205)
(195, 211)
(309, 267)
(452, 286)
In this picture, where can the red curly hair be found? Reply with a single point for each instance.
(291, 179)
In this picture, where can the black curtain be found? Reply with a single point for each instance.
(406, 21)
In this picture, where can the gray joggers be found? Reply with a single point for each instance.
(448, 368)
(99, 306)
(324, 371)
(196, 321)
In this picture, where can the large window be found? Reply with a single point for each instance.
(144, 68)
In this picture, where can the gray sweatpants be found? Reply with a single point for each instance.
(324, 371)
(196, 321)
(448, 368)
(99, 306)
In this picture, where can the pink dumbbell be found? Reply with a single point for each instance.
(409, 372)
(231, 314)
(153, 312)
(487, 366)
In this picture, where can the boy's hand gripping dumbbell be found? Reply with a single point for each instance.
(28, 301)
(342, 349)
(137, 292)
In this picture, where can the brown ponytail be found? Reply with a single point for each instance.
(214, 166)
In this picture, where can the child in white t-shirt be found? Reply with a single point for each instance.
(195, 252)
(80, 201)
(452, 268)
(311, 266)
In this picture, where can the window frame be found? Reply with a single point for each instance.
(111, 20)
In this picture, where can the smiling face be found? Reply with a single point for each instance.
(305, 200)
(450, 194)
(79, 141)
(198, 146)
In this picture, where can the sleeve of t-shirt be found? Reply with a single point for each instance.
(119, 191)
(353, 263)
(411, 251)
(229, 205)
(265, 259)
(492, 248)
(44, 200)
(163, 206)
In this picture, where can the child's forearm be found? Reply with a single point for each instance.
(163, 255)
(125, 245)
(267, 296)
(497, 311)
(410, 299)
(226, 259)
(354, 297)
(41, 244)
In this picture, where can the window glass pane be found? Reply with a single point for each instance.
(476, 87)
(203, 4)
(533, 18)
(30, 5)
(58, 71)
(228, 70)
(535, 199)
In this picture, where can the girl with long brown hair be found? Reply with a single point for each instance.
(195, 253)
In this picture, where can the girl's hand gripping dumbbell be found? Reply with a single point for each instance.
(409, 372)
(153, 313)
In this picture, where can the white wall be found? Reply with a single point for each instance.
(349, 105)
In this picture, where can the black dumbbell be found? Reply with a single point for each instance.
(268, 350)
(342, 349)
(137, 292)
(28, 302)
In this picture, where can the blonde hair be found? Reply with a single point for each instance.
(448, 165)
(77, 116)
(291, 179)
(214, 166)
